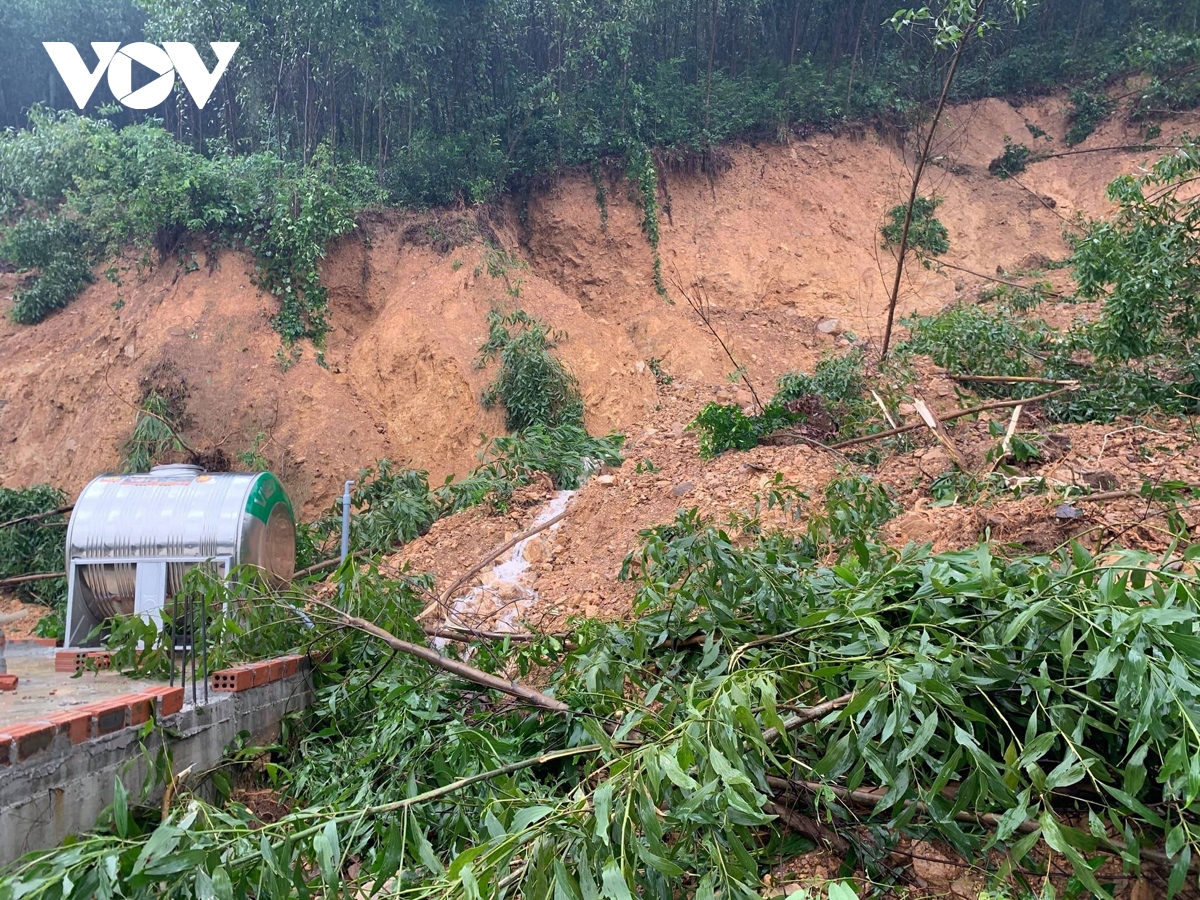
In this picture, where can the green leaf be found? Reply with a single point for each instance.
(920, 738)
(613, 880)
(120, 808)
(602, 804)
(528, 816)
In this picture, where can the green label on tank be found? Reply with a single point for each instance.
(266, 494)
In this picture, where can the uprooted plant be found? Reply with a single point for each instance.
(832, 403)
(534, 386)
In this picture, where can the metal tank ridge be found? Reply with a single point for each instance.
(131, 538)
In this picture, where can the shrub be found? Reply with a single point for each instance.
(393, 507)
(1142, 262)
(534, 386)
(832, 399)
(1087, 111)
(925, 232)
(56, 249)
(1012, 161)
(966, 339)
(97, 189)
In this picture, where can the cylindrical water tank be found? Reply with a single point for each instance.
(176, 511)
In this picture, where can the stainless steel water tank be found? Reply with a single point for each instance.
(179, 513)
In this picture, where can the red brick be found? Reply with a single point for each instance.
(276, 669)
(262, 673)
(77, 660)
(170, 699)
(76, 724)
(291, 665)
(8, 682)
(69, 660)
(138, 709)
(32, 737)
(232, 680)
(108, 716)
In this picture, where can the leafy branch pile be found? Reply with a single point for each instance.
(74, 191)
(834, 400)
(534, 386)
(1040, 707)
(36, 546)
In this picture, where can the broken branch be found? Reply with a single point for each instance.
(462, 670)
(974, 410)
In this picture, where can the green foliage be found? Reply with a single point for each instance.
(641, 172)
(964, 685)
(155, 432)
(534, 386)
(724, 427)
(239, 619)
(1020, 299)
(251, 459)
(1169, 59)
(392, 506)
(1088, 110)
(969, 339)
(834, 399)
(1012, 161)
(83, 189)
(55, 248)
(925, 232)
(1142, 263)
(32, 548)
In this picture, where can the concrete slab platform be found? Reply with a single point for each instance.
(41, 691)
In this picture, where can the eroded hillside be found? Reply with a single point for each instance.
(783, 242)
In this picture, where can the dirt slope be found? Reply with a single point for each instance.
(786, 239)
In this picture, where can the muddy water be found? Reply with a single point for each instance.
(506, 592)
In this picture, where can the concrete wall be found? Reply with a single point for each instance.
(57, 783)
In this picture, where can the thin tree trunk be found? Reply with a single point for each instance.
(712, 51)
(922, 159)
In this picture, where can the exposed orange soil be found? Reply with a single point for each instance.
(786, 239)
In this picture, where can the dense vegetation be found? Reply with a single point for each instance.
(81, 190)
(1033, 705)
(31, 540)
(462, 100)
(367, 101)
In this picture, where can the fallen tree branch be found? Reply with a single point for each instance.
(993, 278)
(471, 572)
(819, 834)
(929, 417)
(327, 564)
(809, 715)
(462, 670)
(38, 517)
(24, 579)
(988, 820)
(999, 404)
(1016, 379)
(1006, 444)
(464, 635)
(397, 805)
